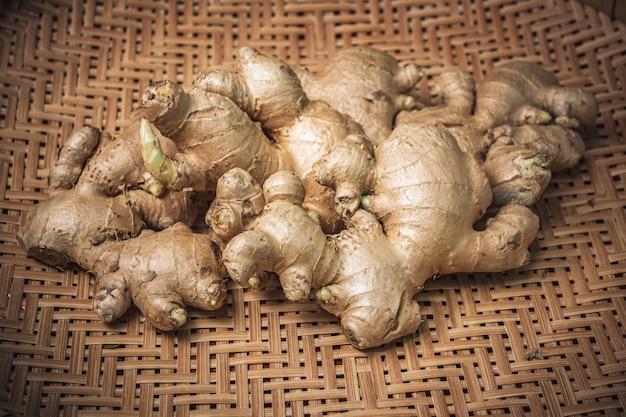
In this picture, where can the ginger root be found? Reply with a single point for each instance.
(107, 165)
(97, 216)
(332, 181)
(521, 160)
(522, 127)
(212, 129)
(368, 273)
(285, 239)
(98, 191)
(366, 83)
(520, 92)
(328, 150)
(238, 201)
(536, 126)
(208, 133)
(161, 272)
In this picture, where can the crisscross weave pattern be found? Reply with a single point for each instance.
(546, 340)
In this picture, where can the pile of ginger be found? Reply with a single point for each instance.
(341, 183)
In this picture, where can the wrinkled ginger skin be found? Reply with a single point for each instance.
(427, 233)
(535, 125)
(520, 92)
(161, 273)
(524, 126)
(72, 156)
(368, 274)
(238, 201)
(521, 160)
(285, 239)
(59, 230)
(263, 86)
(368, 84)
(566, 146)
(100, 224)
(368, 288)
(408, 197)
(210, 135)
(116, 166)
(104, 200)
(335, 172)
(454, 90)
(269, 91)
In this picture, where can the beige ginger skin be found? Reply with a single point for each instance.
(368, 273)
(206, 134)
(329, 180)
(213, 129)
(95, 196)
(138, 246)
(522, 126)
(366, 83)
(328, 150)
(436, 175)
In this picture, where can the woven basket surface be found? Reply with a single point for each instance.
(546, 340)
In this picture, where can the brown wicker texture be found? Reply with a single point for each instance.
(547, 340)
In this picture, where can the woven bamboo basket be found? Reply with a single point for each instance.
(548, 340)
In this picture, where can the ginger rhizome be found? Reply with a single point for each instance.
(328, 150)
(368, 273)
(213, 129)
(283, 224)
(97, 193)
(536, 126)
(161, 272)
(523, 125)
(333, 181)
(366, 83)
(209, 135)
(99, 217)
(520, 92)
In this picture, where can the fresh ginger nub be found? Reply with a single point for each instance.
(72, 157)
